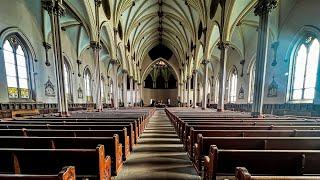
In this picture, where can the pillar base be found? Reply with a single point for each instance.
(220, 110)
(63, 114)
(257, 115)
(203, 108)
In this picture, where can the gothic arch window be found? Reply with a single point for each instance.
(305, 67)
(252, 80)
(67, 79)
(216, 91)
(102, 83)
(233, 79)
(16, 65)
(88, 85)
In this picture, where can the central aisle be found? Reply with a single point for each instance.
(159, 155)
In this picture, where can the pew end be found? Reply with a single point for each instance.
(242, 174)
(67, 173)
(210, 164)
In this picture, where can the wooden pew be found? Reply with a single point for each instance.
(132, 126)
(112, 146)
(67, 173)
(246, 133)
(186, 133)
(89, 163)
(124, 139)
(243, 174)
(261, 162)
(202, 147)
(73, 127)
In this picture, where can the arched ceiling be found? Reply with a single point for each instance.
(140, 25)
(170, 22)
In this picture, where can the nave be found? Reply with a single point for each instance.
(158, 155)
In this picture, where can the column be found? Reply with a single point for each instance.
(95, 45)
(184, 92)
(115, 65)
(262, 9)
(189, 89)
(140, 93)
(223, 46)
(195, 87)
(56, 9)
(131, 90)
(136, 91)
(124, 85)
(199, 94)
(181, 93)
(205, 85)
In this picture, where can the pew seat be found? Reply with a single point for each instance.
(89, 163)
(243, 174)
(67, 173)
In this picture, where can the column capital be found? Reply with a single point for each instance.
(95, 45)
(114, 61)
(124, 71)
(205, 62)
(195, 71)
(46, 45)
(264, 7)
(135, 81)
(130, 77)
(181, 84)
(139, 83)
(97, 3)
(54, 7)
(188, 77)
(223, 45)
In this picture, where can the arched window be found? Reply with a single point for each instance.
(216, 92)
(102, 89)
(233, 79)
(67, 79)
(15, 57)
(305, 67)
(252, 79)
(87, 83)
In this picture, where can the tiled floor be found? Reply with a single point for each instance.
(159, 155)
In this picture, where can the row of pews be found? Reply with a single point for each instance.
(233, 145)
(86, 145)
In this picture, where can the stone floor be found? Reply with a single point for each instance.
(159, 155)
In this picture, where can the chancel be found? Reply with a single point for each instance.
(160, 89)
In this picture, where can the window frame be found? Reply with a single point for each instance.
(69, 78)
(252, 81)
(86, 72)
(233, 72)
(14, 45)
(295, 52)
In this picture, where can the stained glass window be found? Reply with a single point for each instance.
(16, 68)
(216, 93)
(305, 69)
(233, 86)
(87, 81)
(67, 80)
(252, 80)
(102, 89)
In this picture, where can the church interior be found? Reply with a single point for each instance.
(159, 89)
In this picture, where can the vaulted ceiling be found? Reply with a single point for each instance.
(170, 22)
(129, 29)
